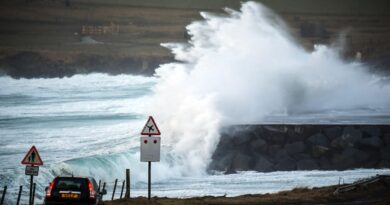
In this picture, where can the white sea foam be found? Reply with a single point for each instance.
(245, 67)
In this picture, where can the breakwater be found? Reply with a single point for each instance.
(266, 148)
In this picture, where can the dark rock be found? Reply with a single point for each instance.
(355, 154)
(351, 135)
(325, 164)
(263, 165)
(241, 162)
(286, 164)
(221, 164)
(371, 131)
(272, 149)
(259, 145)
(333, 132)
(340, 143)
(281, 154)
(296, 134)
(386, 138)
(374, 142)
(242, 138)
(276, 129)
(384, 164)
(275, 134)
(385, 153)
(295, 148)
(350, 158)
(318, 150)
(313, 29)
(318, 139)
(301, 156)
(307, 164)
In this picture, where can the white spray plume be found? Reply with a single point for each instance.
(243, 67)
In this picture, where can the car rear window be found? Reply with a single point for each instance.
(73, 184)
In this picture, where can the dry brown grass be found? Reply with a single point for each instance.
(372, 194)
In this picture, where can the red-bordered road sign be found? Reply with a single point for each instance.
(150, 127)
(32, 157)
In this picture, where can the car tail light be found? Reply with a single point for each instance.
(48, 191)
(92, 193)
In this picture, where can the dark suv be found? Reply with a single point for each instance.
(73, 190)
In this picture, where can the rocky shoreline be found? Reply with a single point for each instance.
(267, 148)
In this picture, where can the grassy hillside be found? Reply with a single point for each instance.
(45, 37)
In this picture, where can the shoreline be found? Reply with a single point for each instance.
(366, 191)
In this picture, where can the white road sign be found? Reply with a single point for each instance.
(150, 149)
(32, 170)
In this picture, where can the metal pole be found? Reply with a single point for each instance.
(19, 194)
(2, 197)
(31, 187)
(127, 194)
(149, 179)
(113, 192)
(33, 194)
(123, 186)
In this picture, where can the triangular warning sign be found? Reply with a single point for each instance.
(150, 128)
(32, 157)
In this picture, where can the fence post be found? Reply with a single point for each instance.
(100, 182)
(4, 192)
(113, 192)
(104, 187)
(19, 194)
(33, 194)
(127, 193)
(123, 186)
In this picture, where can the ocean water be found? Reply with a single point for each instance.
(242, 67)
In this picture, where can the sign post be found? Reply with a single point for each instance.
(150, 147)
(33, 161)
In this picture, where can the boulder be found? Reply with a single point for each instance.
(301, 156)
(296, 134)
(350, 158)
(307, 164)
(333, 132)
(340, 143)
(272, 149)
(259, 145)
(384, 164)
(357, 155)
(386, 138)
(285, 164)
(371, 131)
(242, 138)
(263, 165)
(281, 154)
(351, 135)
(276, 134)
(295, 148)
(325, 163)
(241, 162)
(318, 150)
(373, 142)
(221, 164)
(385, 153)
(318, 139)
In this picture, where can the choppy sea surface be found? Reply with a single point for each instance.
(90, 125)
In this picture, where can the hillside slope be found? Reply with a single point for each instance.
(55, 38)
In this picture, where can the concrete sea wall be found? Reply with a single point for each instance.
(266, 148)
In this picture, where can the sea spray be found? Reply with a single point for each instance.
(245, 67)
